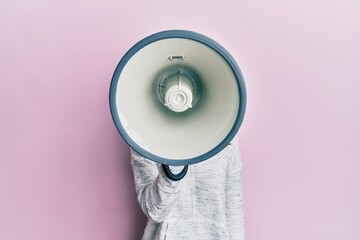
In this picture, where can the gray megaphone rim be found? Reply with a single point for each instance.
(192, 36)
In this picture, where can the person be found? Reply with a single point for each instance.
(206, 204)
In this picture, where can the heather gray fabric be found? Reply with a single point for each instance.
(207, 204)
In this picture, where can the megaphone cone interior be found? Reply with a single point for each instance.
(178, 88)
(177, 97)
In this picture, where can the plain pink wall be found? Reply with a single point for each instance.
(64, 170)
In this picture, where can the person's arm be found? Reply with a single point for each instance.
(155, 192)
(234, 196)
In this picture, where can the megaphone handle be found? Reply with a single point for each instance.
(171, 175)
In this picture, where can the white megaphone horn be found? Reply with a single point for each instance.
(177, 98)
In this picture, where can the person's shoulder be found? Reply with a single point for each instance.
(134, 153)
(235, 161)
(135, 156)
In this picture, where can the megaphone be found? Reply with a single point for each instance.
(177, 97)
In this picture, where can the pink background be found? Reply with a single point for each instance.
(64, 170)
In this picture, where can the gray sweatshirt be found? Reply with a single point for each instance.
(207, 204)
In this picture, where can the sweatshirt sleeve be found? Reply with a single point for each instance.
(234, 196)
(155, 192)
